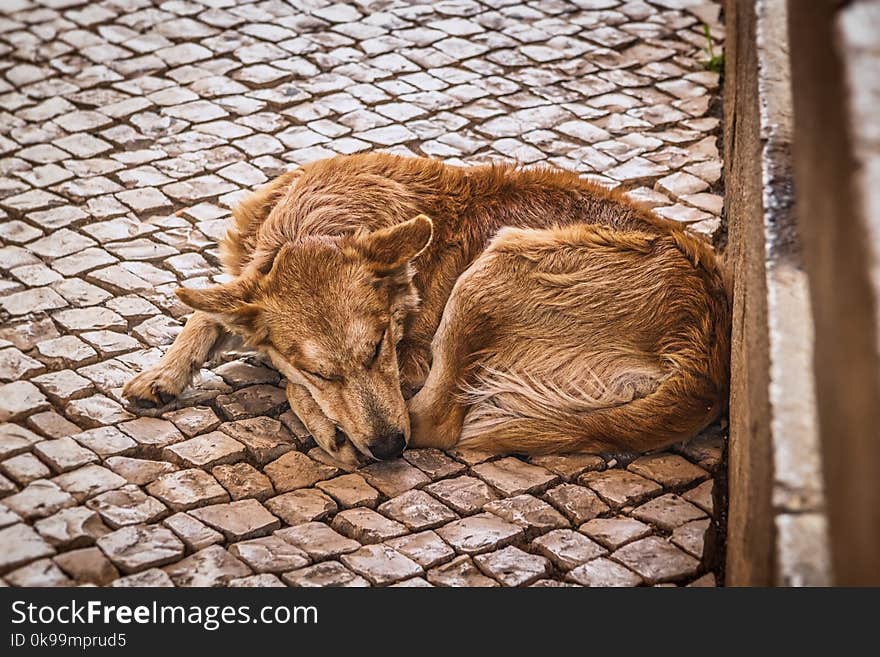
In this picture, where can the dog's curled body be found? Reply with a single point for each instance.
(553, 314)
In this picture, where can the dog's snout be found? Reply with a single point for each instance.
(388, 446)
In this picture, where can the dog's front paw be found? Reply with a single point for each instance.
(153, 387)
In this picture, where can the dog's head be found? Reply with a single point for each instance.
(329, 313)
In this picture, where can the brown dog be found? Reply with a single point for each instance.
(533, 311)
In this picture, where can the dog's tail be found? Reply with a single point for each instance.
(612, 401)
(514, 412)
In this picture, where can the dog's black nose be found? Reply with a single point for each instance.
(388, 446)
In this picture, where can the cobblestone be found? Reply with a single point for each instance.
(72, 528)
(301, 506)
(657, 560)
(329, 573)
(129, 133)
(460, 572)
(567, 549)
(211, 566)
(604, 573)
(140, 547)
(270, 555)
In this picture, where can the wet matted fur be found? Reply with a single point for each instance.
(530, 310)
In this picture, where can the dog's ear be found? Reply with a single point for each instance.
(388, 250)
(231, 303)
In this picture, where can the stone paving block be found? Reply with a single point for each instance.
(569, 466)
(479, 533)
(619, 487)
(328, 573)
(270, 554)
(139, 471)
(350, 490)
(705, 450)
(106, 442)
(187, 489)
(667, 512)
(413, 582)
(470, 456)
(464, 495)
(513, 567)
(242, 481)
(318, 540)
(578, 503)
(425, 548)
(39, 499)
(567, 549)
(603, 572)
(657, 560)
(21, 544)
(87, 566)
(367, 526)
(707, 580)
(88, 481)
(433, 463)
(195, 534)
(205, 451)
(303, 505)
(417, 510)
(668, 470)
(264, 438)
(254, 400)
(20, 399)
(64, 454)
(702, 496)
(460, 572)
(15, 365)
(152, 578)
(72, 528)
(614, 532)
(6, 486)
(695, 538)
(209, 567)
(15, 439)
(25, 468)
(96, 411)
(139, 547)
(381, 565)
(394, 477)
(110, 343)
(194, 420)
(52, 425)
(266, 580)
(152, 434)
(296, 470)
(238, 520)
(128, 505)
(552, 583)
(237, 373)
(533, 515)
(510, 476)
(28, 301)
(43, 572)
(66, 351)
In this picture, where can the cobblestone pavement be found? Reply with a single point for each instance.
(130, 127)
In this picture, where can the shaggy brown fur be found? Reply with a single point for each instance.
(535, 312)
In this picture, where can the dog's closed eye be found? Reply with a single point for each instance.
(322, 377)
(377, 350)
